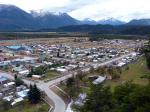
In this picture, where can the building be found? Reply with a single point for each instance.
(3, 80)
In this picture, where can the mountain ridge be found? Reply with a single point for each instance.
(12, 15)
(13, 18)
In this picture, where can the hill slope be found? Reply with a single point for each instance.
(13, 18)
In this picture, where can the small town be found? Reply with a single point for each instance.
(50, 67)
(74, 55)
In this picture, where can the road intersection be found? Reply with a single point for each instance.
(59, 104)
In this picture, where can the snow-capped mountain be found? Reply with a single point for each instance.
(12, 17)
(111, 21)
(140, 22)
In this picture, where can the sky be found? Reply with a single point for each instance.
(124, 10)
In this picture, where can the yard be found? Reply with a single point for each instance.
(25, 106)
(50, 75)
(134, 73)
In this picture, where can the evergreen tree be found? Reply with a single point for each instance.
(30, 94)
(18, 81)
(15, 77)
(34, 94)
(146, 51)
(98, 100)
(127, 97)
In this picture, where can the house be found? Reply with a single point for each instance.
(99, 80)
(15, 48)
(81, 99)
(18, 69)
(24, 72)
(20, 88)
(86, 70)
(62, 70)
(3, 80)
(70, 67)
(23, 93)
(16, 101)
(47, 63)
(5, 90)
(4, 63)
(8, 98)
(10, 84)
(120, 64)
(36, 76)
(1, 95)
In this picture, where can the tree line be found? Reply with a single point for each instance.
(127, 97)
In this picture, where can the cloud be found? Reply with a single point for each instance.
(72, 5)
(120, 9)
(94, 9)
(36, 4)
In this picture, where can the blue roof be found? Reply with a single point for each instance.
(14, 47)
(3, 79)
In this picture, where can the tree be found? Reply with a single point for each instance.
(6, 105)
(92, 70)
(146, 51)
(110, 70)
(30, 94)
(18, 81)
(15, 77)
(58, 54)
(132, 98)
(29, 75)
(80, 76)
(72, 86)
(146, 76)
(114, 73)
(123, 90)
(127, 97)
(34, 94)
(102, 70)
(119, 70)
(140, 99)
(31, 72)
(98, 100)
(70, 82)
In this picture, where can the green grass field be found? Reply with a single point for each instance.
(136, 70)
(50, 75)
(25, 106)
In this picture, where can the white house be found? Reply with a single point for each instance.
(9, 84)
(24, 72)
(99, 80)
(23, 93)
(17, 100)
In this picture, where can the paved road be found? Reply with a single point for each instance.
(58, 80)
(59, 103)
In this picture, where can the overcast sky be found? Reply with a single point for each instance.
(95, 9)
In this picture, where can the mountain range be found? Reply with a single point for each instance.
(13, 18)
(110, 21)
